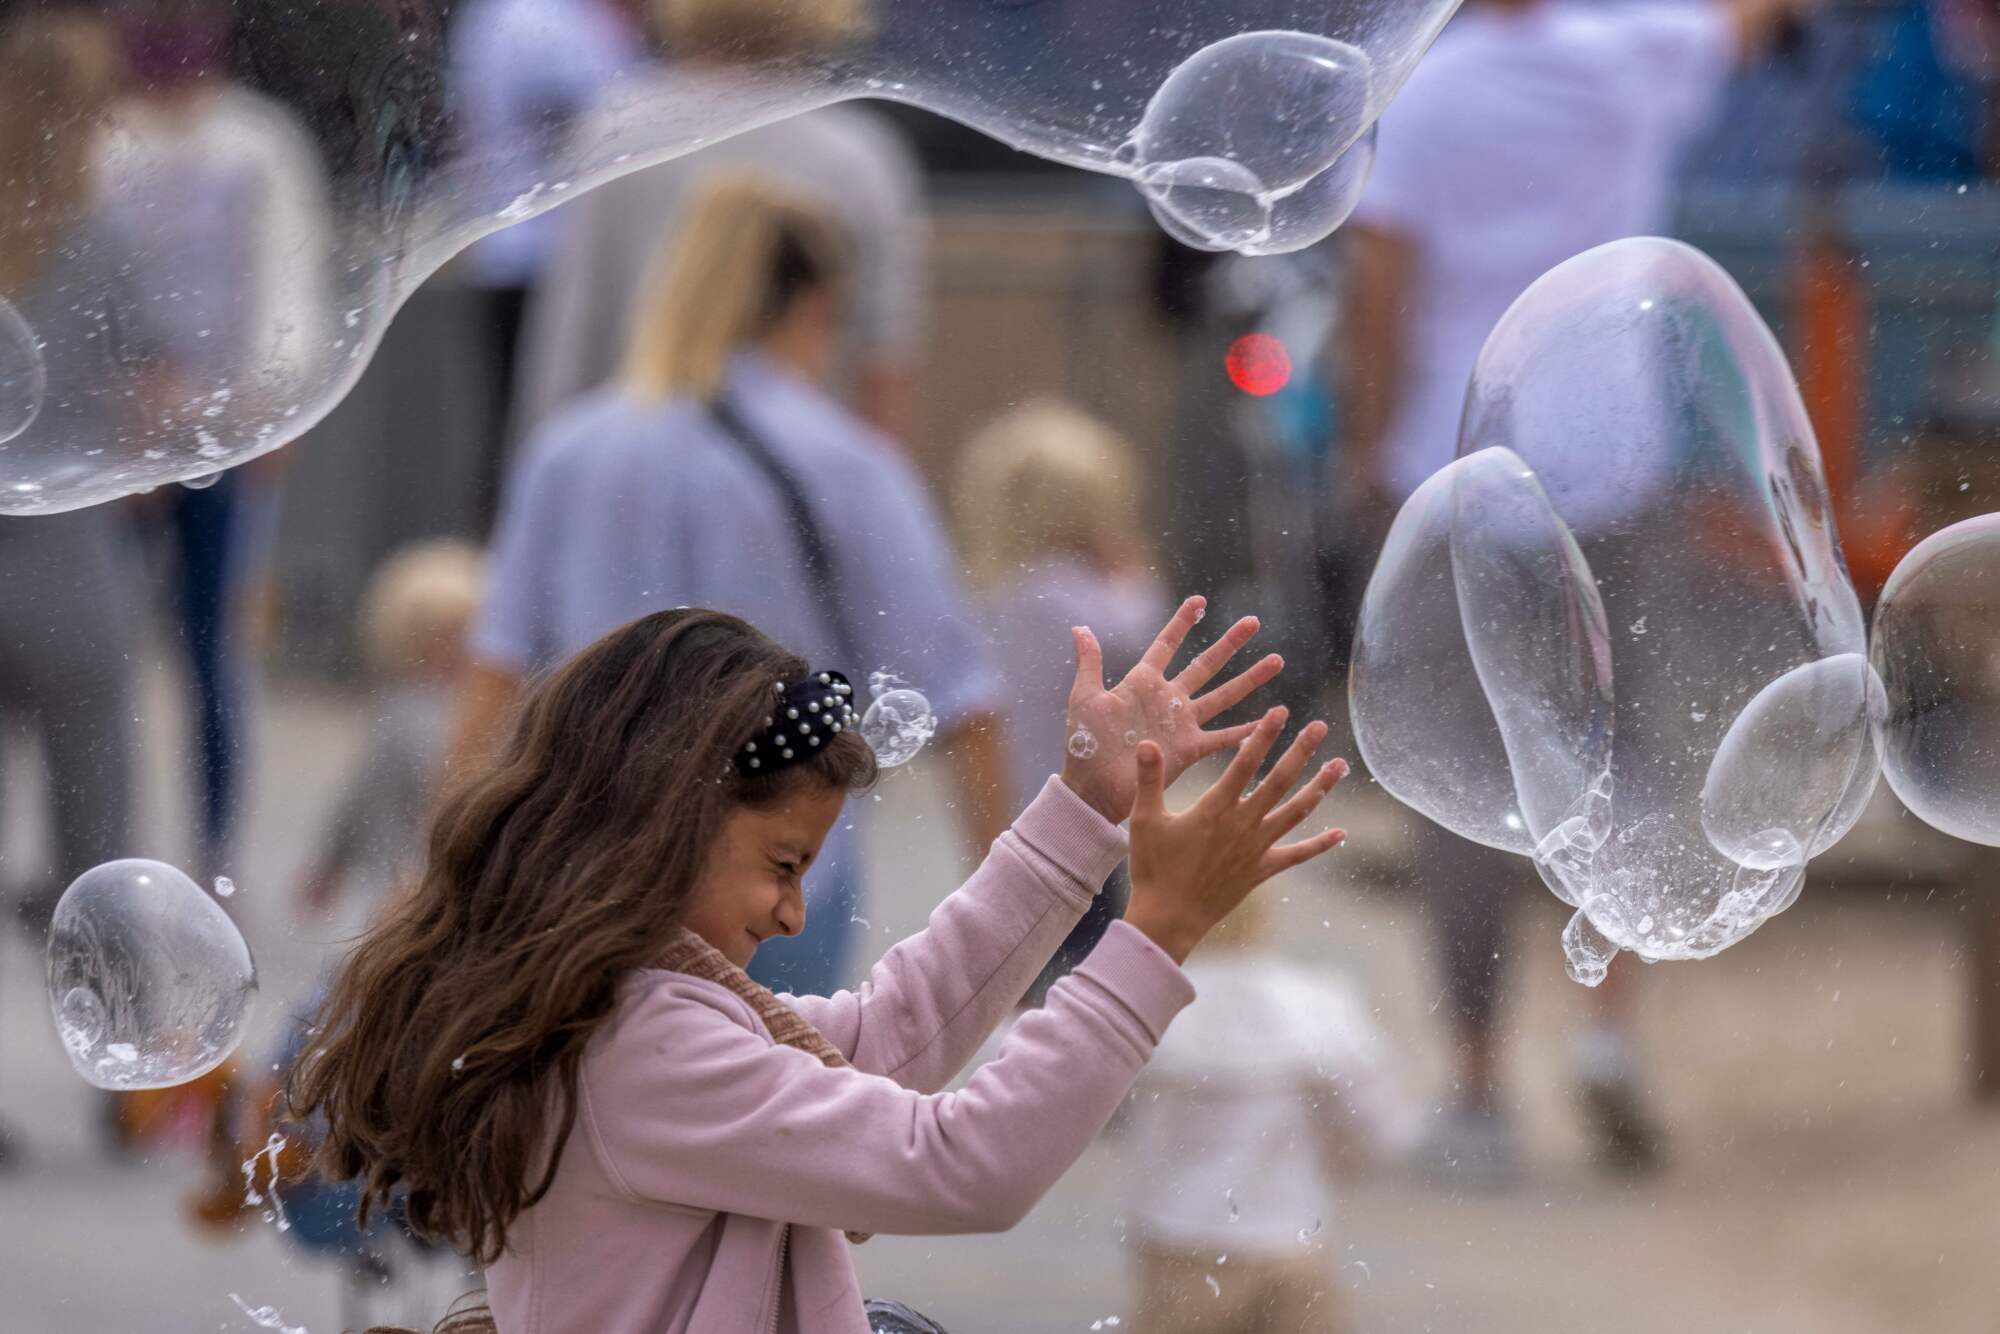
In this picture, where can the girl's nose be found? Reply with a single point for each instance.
(791, 914)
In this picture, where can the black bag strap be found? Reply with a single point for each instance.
(820, 564)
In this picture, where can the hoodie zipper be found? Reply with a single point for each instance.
(778, 1278)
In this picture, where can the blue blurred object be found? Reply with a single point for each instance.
(1928, 120)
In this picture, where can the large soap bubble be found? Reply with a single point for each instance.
(1482, 634)
(149, 981)
(1936, 646)
(1638, 386)
(899, 722)
(190, 315)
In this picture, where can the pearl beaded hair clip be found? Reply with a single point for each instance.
(803, 716)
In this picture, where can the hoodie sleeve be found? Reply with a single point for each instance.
(933, 999)
(686, 1105)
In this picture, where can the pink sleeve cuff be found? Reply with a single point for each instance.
(1141, 975)
(1067, 831)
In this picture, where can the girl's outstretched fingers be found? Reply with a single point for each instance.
(1268, 793)
(1287, 855)
(1235, 780)
(1237, 688)
(1150, 806)
(1089, 665)
(1216, 656)
(1305, 801)
(1168, 642)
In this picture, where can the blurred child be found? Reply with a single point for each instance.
(414, 626)
(1049, 520)
(1273, 1078)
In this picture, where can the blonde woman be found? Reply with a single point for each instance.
(1046, 505)
(718, 471)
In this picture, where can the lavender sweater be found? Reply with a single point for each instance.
(712, 1172)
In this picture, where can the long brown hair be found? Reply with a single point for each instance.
(446, 1057)
(746, 252)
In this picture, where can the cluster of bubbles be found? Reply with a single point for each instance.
(1616, 634)
(148, 979)
(899, 722)
(1245, 124)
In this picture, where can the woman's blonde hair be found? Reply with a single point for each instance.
(420, 604)
(1043, 481)
(744, 253)
(57, 77)
(759, 29)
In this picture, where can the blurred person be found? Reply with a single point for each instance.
(414, 621)
(1046, 509)
(716, 471)
(851, 161)
(1532, 131)
(221, 193)
(1270, 1086)
(551, 1055)
(523, 72)
(68, 582)
(1927, 99)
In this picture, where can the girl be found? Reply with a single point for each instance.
(716, 471)
(551, 1053)
(1051, 532)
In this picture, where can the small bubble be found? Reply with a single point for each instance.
(224, 887)
(1082, 743)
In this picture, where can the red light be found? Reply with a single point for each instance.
(1258, 364)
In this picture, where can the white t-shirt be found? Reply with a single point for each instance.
(1254, 1081)
(1521, 139)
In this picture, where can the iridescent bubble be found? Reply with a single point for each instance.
(897, 726)
(1481, 682)
(24, 380)
(148, 980)
(1638, 501)
(173, 355)
(1793, 772)
(1936, 647)
(1214, 176)
(1655, 407)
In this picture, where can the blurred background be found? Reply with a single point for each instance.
(1800, 1135)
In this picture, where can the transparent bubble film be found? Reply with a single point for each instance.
(134, 352)
(1936, 648)
(149, 981)
(1617, 635)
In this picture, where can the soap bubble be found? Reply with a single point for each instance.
(23, 378)
(897, 725)
(1689, 561)
(1219, 180)
(1793, 772)
(1936, 646)
(1082, 743)
(170, 363)
(1481, 630)
(149, 981)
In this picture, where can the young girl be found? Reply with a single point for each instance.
(1051, 535)
(551, 1054)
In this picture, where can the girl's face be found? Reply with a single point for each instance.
(749, 889)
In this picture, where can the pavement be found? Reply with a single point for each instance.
(1828, 1172)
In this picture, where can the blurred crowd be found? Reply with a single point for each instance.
(708, 388)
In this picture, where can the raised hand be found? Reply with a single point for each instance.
(1191, 870)
(1105, 727)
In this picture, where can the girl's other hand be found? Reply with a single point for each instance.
(1105, 727)
(1189, 871)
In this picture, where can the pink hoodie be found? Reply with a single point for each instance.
(712, 1172)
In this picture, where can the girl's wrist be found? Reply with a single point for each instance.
(1093, 794)
(1171, 931)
